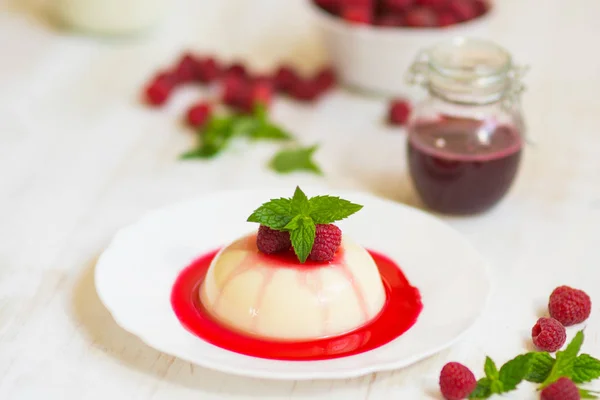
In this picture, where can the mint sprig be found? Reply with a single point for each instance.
(540, 368)
(295, 159)
(299, 215)
(220, 131)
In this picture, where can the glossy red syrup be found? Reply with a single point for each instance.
(400, 312)
(462, 166)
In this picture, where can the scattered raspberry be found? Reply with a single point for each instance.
(285, 78)
(357, 14)
(456, 381)
(569, 306)
(160, 88)
(270, 241)
(399, 111)
(198, 114)
(325, 79)
(562, 389)
(207, 70)
(332, 6)
(328, 239)
(305, 90)
(396, 6)
(447, 19)
(548, 334)
(421, 17)
(186, 68)
(481, 7)
(437, 5)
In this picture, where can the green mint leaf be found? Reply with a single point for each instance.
(260, 112)
(514, 371)
(565, 361)
(299, 159)
(540, 366)
(294, 223)
(490, 369)
(275, 214)
(588, 394)
(300, 204)
(482, 390)
(244, 125)
(585, 369)
(202, 152)
(303, 238)
(268, 131)
(328, 209)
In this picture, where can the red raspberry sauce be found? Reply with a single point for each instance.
(400, 312)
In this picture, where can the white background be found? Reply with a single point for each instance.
(80, 157)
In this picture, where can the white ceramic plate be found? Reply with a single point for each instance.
(135, 274)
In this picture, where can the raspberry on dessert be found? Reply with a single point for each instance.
(160, 88)
(456, 381)
(328, 239)
(270, 241)
(569, 306)
(396, 6)
(185, 71)
(207, 70)
(421, 17)
(357, 14)
(548, 335)
(446, 19)
(236, 69)
(198, 114)
(562, 389)
(399, 111)
(463, 10)
(285, 78)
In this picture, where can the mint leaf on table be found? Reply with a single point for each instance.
(588, 394)
(565, 361)
(482, 390)
(299, 159)
(514, 371)
(585, 369)
(268, 131)
(491, 373)
(540, 365)
(299, 215)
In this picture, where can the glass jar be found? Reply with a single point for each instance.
(465, 139)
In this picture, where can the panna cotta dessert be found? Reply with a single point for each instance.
(297, 278)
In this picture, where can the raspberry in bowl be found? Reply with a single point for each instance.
(371, 42)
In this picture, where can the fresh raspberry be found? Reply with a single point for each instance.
(390, 20)
(270, 241)
(481, 7)
(463, 10)
(396, 6)
(185, 71)
(328, 239)
(236, 92)
(357, 14)
(285, 78)
(207, 70)
(421, 17)
(548, 334)
(198, 114)
(237, 69)
(399, 111)
(569, 306)
(332, 6)
(562, 389)
(305, 90)
(456, 381)
(447, 19)
(157, 92)
(325, 79)
(437, 5)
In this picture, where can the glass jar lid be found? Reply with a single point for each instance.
(468, 70)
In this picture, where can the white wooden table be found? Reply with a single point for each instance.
(79, 158)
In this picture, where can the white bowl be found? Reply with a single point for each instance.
(376, 59)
